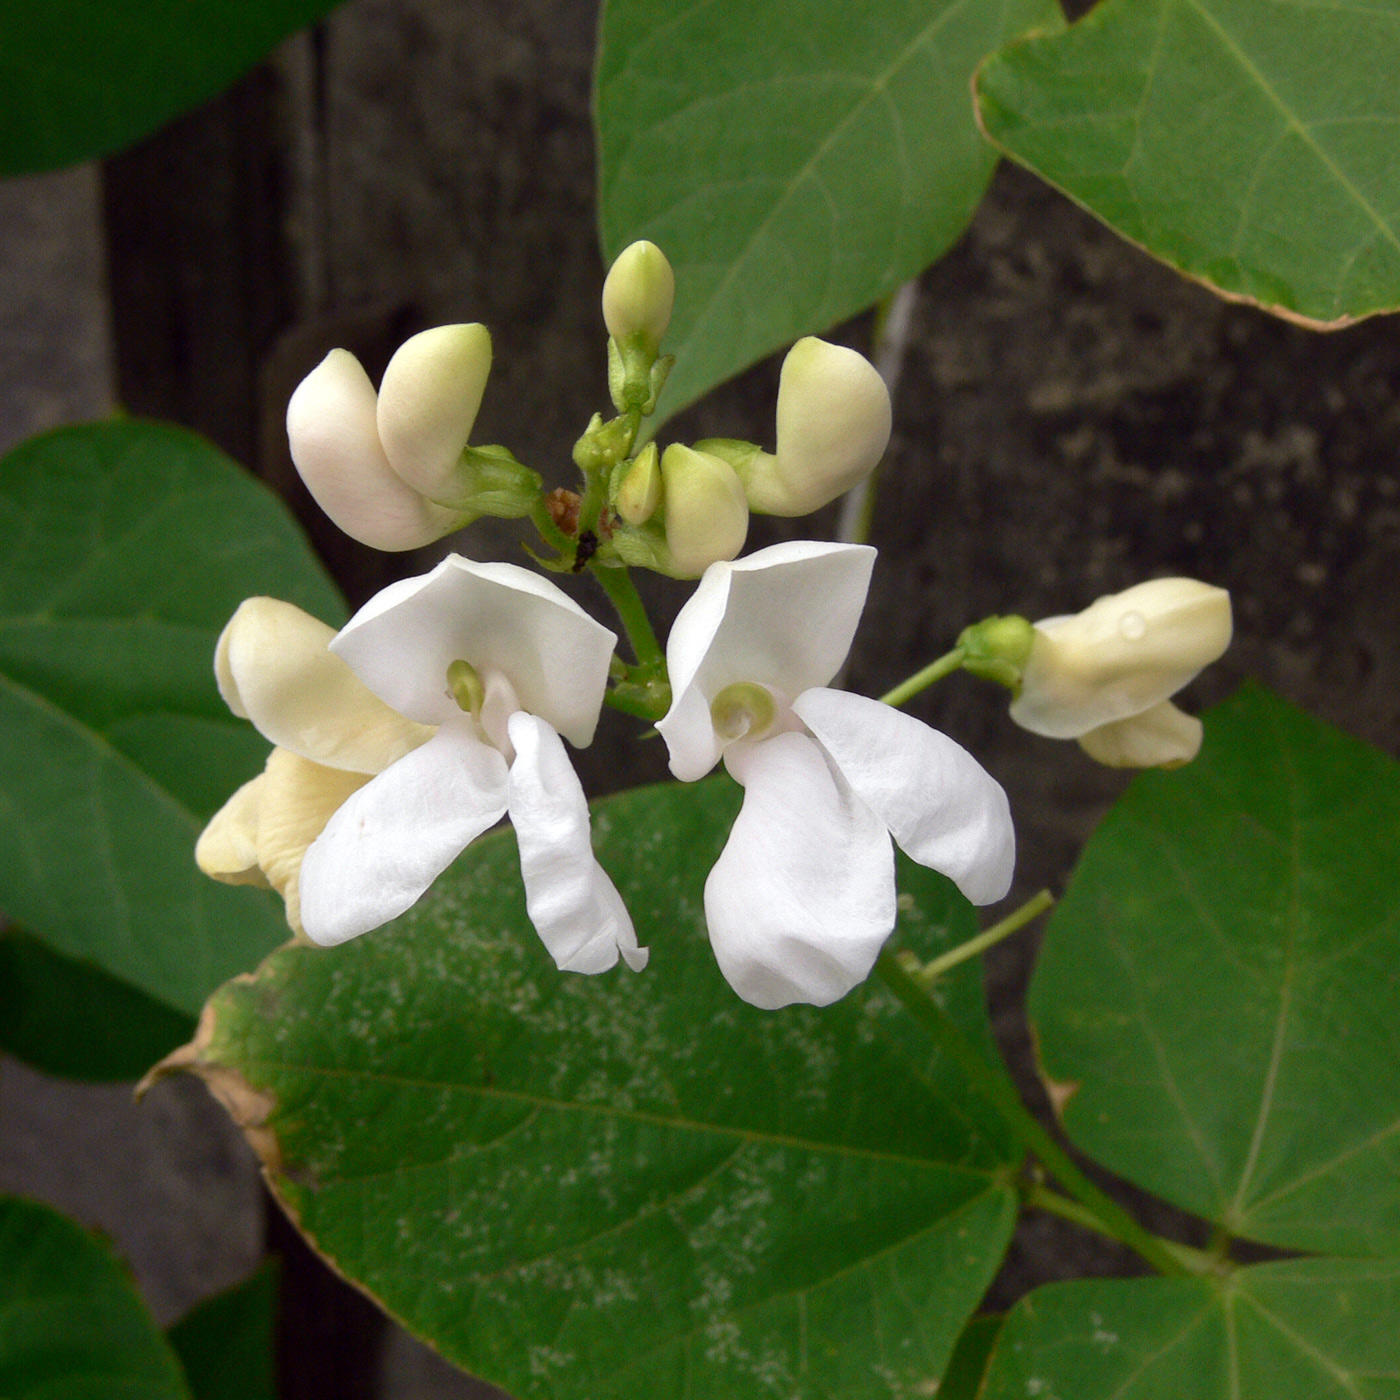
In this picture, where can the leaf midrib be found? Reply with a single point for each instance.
(540, 1101)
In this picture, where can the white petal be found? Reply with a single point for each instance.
(942, 807)
(500, 618)
(802, 898)
(335, 445)
(274, 667)
(428, 401)
(1162, 737)
(296, 799)
(783, 617)
(1122, 655)
(572, 903)
(393, 838)
(227, 848)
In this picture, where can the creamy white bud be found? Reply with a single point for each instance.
(638, 295)
(707, 517)
(428, 402)
(833, 427)
(1162, 737)
(1123, 655)
(639, 491)
(335, 444)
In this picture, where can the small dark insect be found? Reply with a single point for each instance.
(587, 548)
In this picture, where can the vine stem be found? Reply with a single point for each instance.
(1036, 905)
(1114, 1219)
(921, 680)
(1040, 1197)
(622, 593)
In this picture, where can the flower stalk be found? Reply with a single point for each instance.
(999, 1092)
(921, 680)
(928, 973)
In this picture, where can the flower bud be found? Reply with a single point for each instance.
(638, 295)
(428, 401)
(639, 491)
(335, 444)
(707, 517)
(1162, 737)
(1123, 655)
(833, 427)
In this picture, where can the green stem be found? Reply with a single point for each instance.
(550, 533)
(934, 671)
(1004, 1098)
(622, 593)
(1017, 919)
(1040, 1197)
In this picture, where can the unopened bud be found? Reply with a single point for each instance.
(707, 517)
(334, 437)
(833, 427)
(1121, 656)
(428, 401)
(1162, 737)
(638, 295)
(639, 490)
(997, 648)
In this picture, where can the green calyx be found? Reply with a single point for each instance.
(494, 483)
(997, 649)
(636, 374)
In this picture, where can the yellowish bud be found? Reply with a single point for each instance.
(335, 444)
(707, 517)
(428, 402)
(639, 491)
(638, 295)
(833, 427)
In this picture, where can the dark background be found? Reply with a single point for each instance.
(1072, 417)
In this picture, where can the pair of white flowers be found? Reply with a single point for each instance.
(440, 707)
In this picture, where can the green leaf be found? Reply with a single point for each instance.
(1216, 1003)
(72, 1326)
(1248, 143)
(70, 1018)
(128, 546)
(795, 159)
(631, 1184)
(79, 78)
(1307, 1329)
(226, 1343)
(970, 1357)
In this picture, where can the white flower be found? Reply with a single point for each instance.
(380, 465)
(385, 697)
(1105, 676)
(803, 895)
(502, 662)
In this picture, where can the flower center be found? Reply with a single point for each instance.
(466, 687)
(743, 710)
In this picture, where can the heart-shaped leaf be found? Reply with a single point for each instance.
(796, 160)
(71, 1324)
(1249, 143)
(1217, 1001)
(1307, 1329)
(128, 546)
(79, 78)
(630, 1184)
